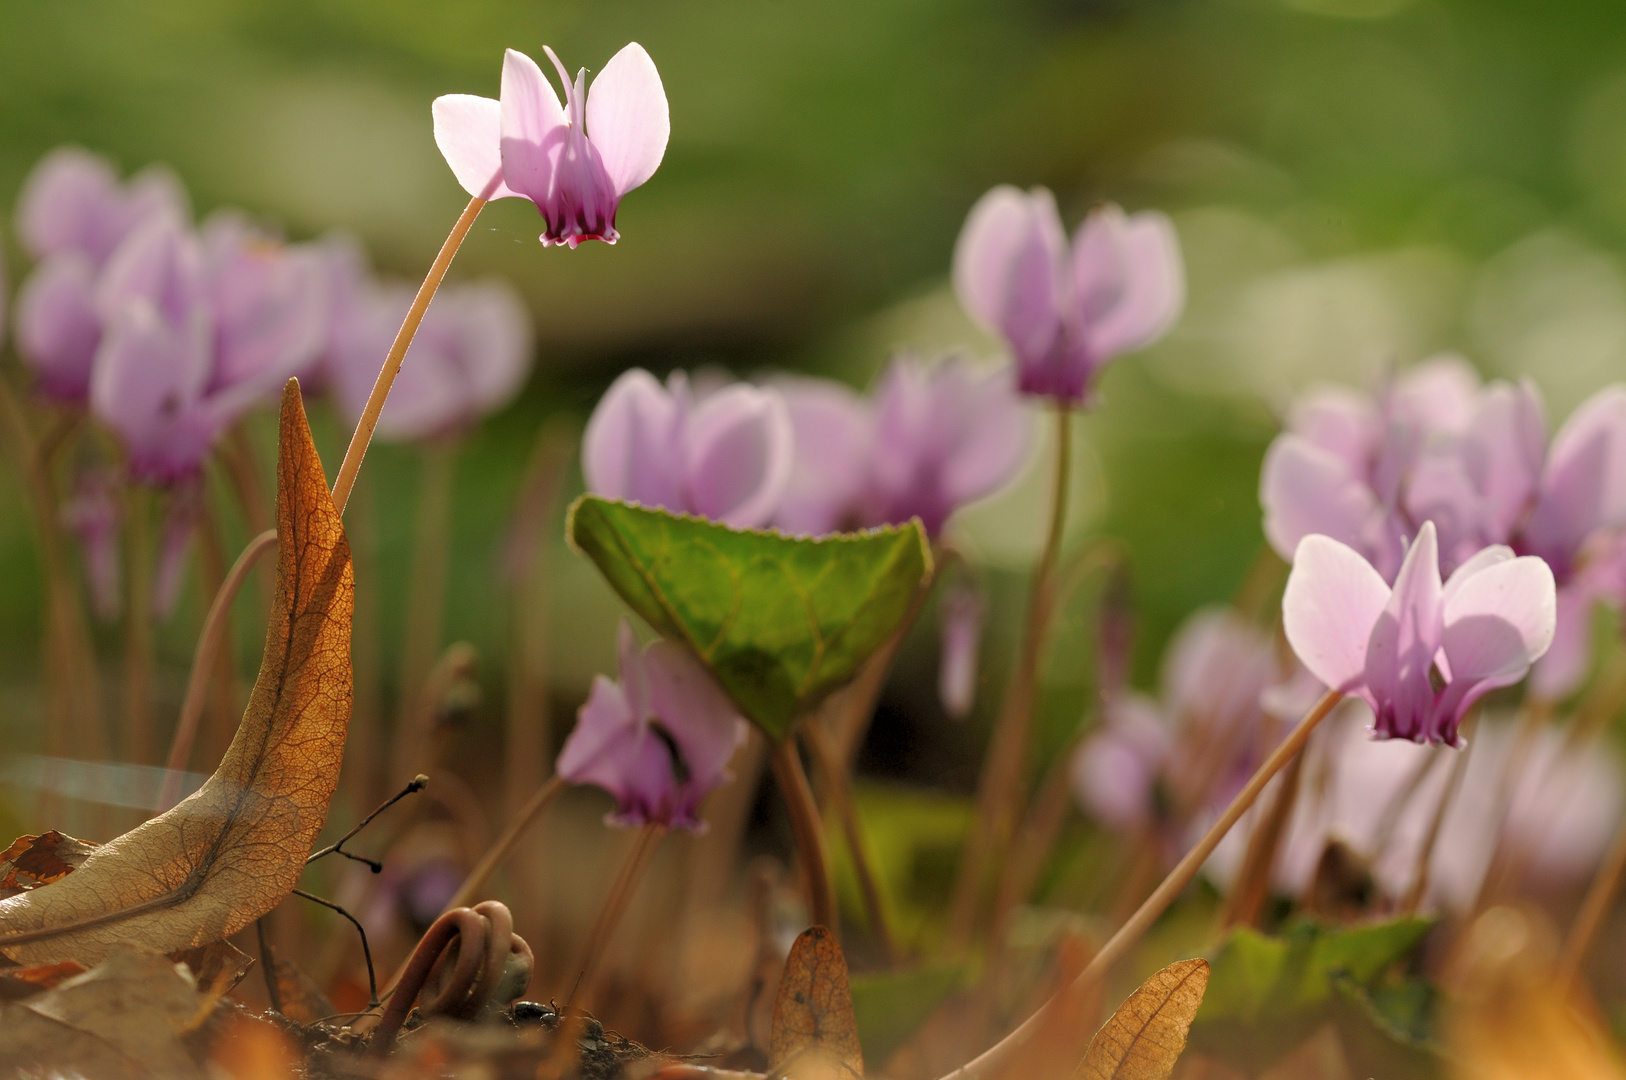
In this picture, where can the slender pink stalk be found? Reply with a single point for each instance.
(994, 1060)
(1000, 788)
(346, 478)
(203, 664)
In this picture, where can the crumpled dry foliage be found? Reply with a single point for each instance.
(1147, 1034)
(123, 1020)
(32, 861)
(230, 852)
(815, 1034)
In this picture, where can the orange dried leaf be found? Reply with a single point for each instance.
(230, 852)
(19, 983)
(217, 967)
(32, 861)
(814, 1031)
(1146, 1035)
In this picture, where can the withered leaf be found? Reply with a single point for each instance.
(122, 1019)
(1146, 1035)
(216, 967)
(298, 996)
(32, 861)
(231, 851)
(25, 982)
(815, 1034)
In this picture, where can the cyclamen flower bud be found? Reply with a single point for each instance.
(1420, 653)
(1066, 313)
(659, 739)
(575, 161)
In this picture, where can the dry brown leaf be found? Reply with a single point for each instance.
(298, 996)
(25, 982)
(217, 967)
(32, 861)
(1146, 1035)
(814, 1031)
(125, 1018)
(230, 852)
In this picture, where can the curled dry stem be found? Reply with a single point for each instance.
(997, 1058)
(346, 478)
(417, 783)
(203, 666)
(483, 936)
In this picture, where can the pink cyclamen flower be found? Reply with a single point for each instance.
(929, 439)
(468, 360)
(658, 740)
(72, 214)
(575, 161)
(1422, 652)
(1067, 312)
(960, 612)
(725, 455)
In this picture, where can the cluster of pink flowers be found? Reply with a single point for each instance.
(1436, 446)
(170, 334)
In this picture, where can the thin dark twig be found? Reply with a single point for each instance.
(418, 783)
(367, 953)
(268, 965)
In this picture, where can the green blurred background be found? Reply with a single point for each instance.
(1356, 183)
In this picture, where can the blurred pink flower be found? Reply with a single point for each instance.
(72, 214)
(1566, 802)
(959, 614)
(725, 455)
(659, 739)
(198, 330)
(575, 162)
(931, 438)
(1067, 312)
(1420, 654)
(1198, 742)
(72, 201)
(469, 359)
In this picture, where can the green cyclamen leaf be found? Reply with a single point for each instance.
(780, 621)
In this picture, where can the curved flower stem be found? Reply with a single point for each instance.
(1425, 855)
(993, 1061)
(73, 698)
(1252, 886)
(804, 823)
(203, 666)
(426, 599)
(1599, 896)
(499, 850)
(615, 906)
(346, 478)
(138, 638)
(1000, 788)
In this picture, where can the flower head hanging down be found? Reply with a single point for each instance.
(72, 214)
(469, 358)
(1420, 653)
(725, 455)
(658, 740)
(575, 161)
(1067, 312)
(931, 438)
